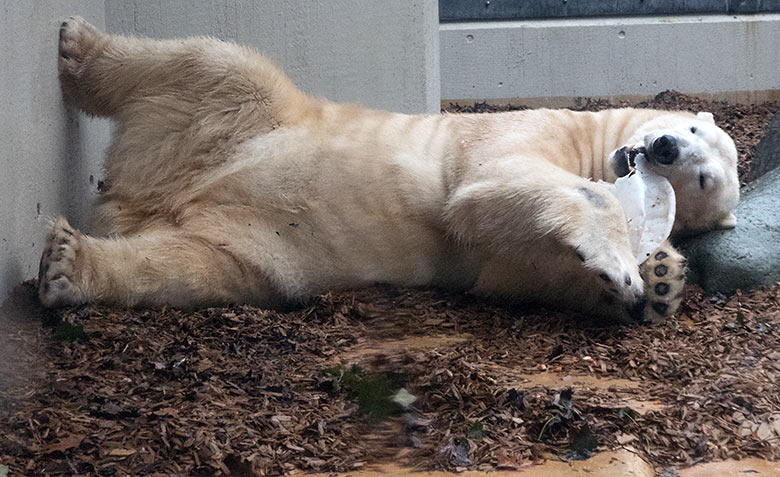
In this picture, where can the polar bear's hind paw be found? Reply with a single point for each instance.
(664, 276)
(57, 275)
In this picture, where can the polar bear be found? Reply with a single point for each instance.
(226, 184)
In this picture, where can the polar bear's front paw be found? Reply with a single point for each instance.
(664, 276)
(58, 275)
(618, 276)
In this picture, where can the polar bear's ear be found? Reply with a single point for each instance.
(706, 117)
(727, 222)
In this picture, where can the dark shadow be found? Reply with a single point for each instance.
(21, 316)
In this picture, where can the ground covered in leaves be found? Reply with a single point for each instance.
(429, 379)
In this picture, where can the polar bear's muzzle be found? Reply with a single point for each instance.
(663, 150)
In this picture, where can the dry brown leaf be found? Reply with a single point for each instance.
(776, 426)
(764, 431)
(167, 412)
(120, 452)
(64, 443)
(508, 460)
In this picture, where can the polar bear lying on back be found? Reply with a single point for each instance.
(225, 184)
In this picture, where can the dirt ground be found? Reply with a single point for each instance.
(420, 377)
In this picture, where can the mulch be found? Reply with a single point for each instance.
(422, 377)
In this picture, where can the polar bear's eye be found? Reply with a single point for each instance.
(702, 181)
(693, 129)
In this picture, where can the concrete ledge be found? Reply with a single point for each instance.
(732, 97)
(608, 57)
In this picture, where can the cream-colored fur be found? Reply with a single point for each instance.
(224, 183)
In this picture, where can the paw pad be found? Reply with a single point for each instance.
(660, 270)
(664, 275)
(660, 308)
(661, 288)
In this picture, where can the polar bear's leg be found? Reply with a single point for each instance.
(521, 204)
(564, 232)
(155, 268)
(101, 73)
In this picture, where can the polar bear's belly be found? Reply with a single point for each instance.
(337, 214)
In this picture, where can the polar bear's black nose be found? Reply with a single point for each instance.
(664, 149)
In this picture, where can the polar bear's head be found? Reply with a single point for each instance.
(700, 161)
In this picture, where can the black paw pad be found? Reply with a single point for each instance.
(660, 308)
(660, 270)
(661, 288)
(661, 255)
(636, 312)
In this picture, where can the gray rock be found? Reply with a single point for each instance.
(747, 256)
(767, 155)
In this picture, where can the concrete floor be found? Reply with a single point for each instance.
(620, 463)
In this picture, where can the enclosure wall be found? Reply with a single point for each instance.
(48, 154)
(729, 56)
(378, 53)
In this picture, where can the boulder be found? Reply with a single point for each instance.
(748, 255)
(767, 155)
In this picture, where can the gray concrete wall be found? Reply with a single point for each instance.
(378, 53)
(47, 154)
(381, 54)
(607, 57)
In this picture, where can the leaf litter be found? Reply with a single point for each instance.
(248, 391)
